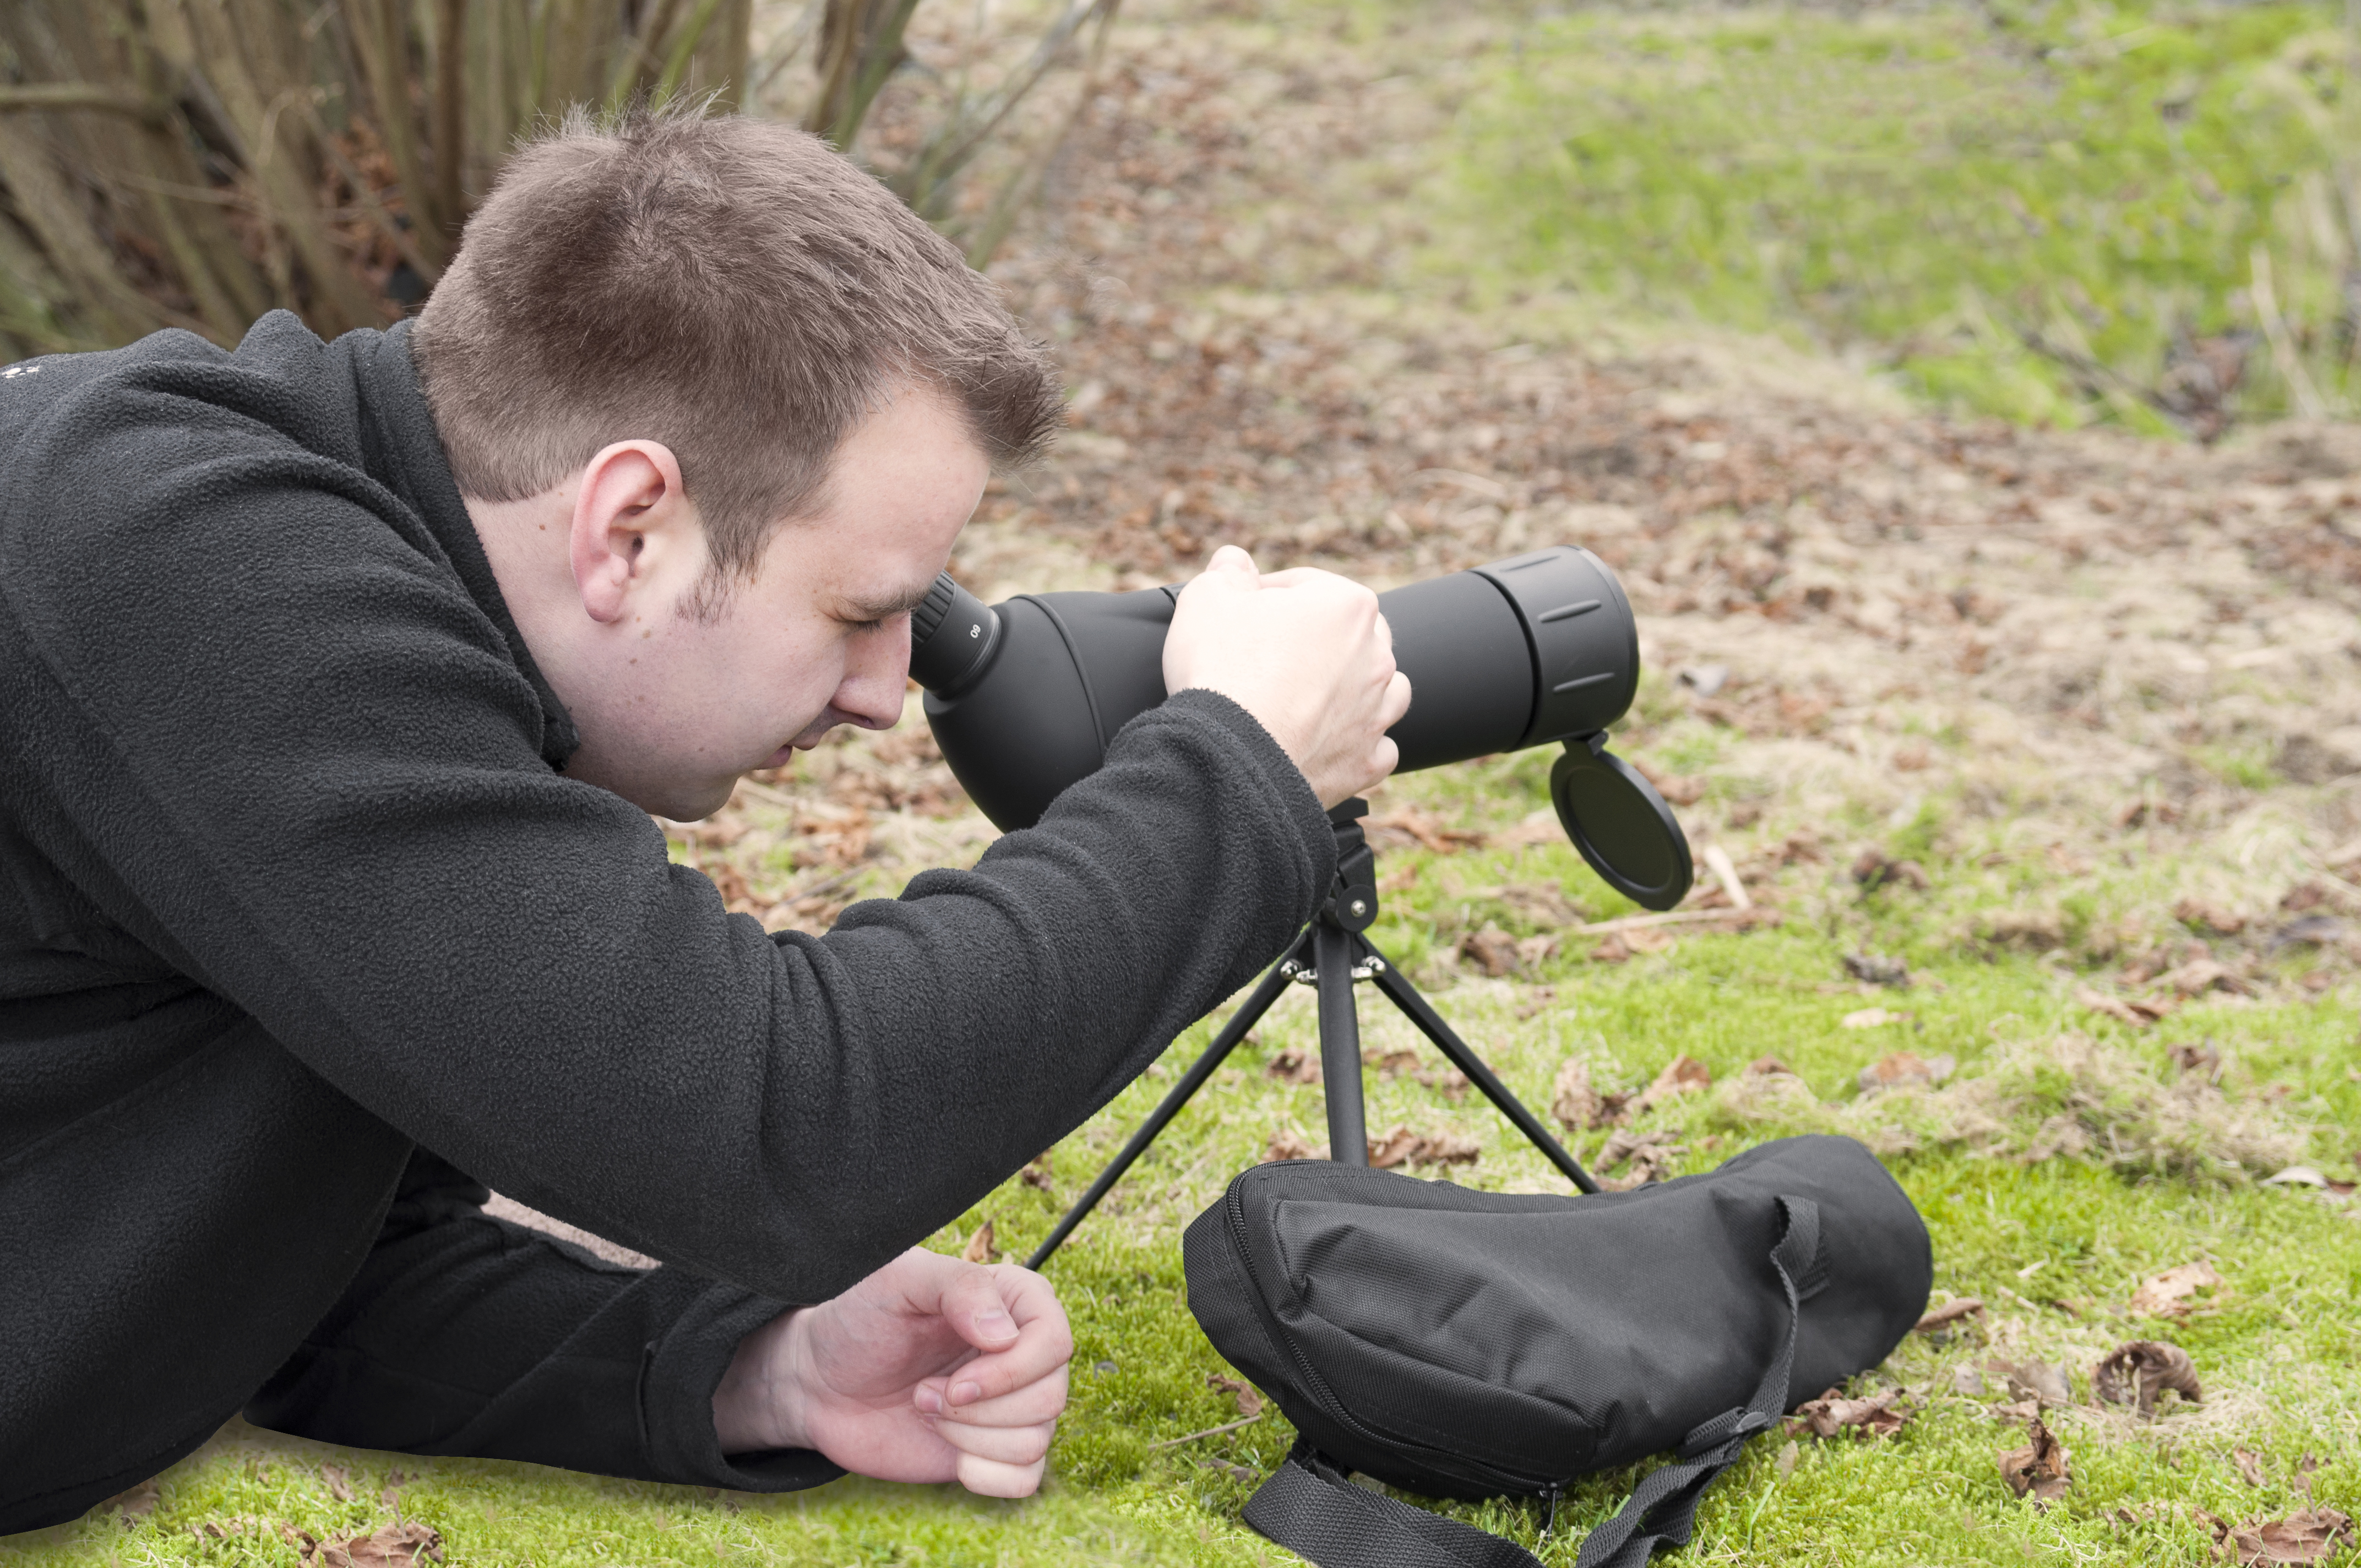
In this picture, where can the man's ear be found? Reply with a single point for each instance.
(630, 514)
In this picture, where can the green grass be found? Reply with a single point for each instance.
(1941, 187)
(2278, 1350)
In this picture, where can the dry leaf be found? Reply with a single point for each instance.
(1446, 1148)
(1949, 1312)
(2036, 1380)
(395, 1546)
(137, 1503)
(1036, 1173)
(390, 1495)
(1903, 1069)
(1491, 949)
(2139, 1014)
(1651, 1156)
(1868, 1018)
(1392, 1148)
(2308, 1535)
(2249, 1465)
(2137, 1373)
(1391, 1064)
(1875, 870)
(1614, 950)
(1399, 1145)
(1295, 1065)
(1872, 969)
(2040, 1468)
(1289, 1143)
(1785, 1463)
(1765, 1066)
(1249, 1401)
(2302, 1480)
(339, 1482)
(979, 1248)
(2166, 1295)
(2205, 1059)
(1580, 1107)
(1878, 1416)
(2208, 917)
(1682, 1075)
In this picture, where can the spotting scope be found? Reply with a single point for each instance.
(1024, 695)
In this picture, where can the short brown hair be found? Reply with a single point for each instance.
(730, 287)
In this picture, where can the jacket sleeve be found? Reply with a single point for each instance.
(465, 1334)
(299, 764)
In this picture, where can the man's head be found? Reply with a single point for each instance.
(718, 404)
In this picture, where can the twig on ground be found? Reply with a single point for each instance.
(1209, 1432)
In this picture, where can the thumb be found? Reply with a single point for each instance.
(972, 1304)
(1234, 563)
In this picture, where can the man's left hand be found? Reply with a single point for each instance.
(931, 1369)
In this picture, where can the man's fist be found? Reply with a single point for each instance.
(931, 1369)
(1307, 653)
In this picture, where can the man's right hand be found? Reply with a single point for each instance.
(1307, 653)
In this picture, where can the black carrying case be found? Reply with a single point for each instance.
(1466, 1345)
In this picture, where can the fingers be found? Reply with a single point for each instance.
(1397, 702)
(1043, 1346)
(1003, 1445)
(1040, 1400)
(990, 1478)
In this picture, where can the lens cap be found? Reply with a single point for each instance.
(1620, 824)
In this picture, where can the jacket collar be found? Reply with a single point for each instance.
(405, 453)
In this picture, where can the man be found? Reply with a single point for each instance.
(336, 685)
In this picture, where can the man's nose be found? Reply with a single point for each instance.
(877, 677)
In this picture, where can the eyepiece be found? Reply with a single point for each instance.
(953, 636)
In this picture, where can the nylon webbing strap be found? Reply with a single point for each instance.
(1310, 1508)
(1662, 1508)
(1307, 1506)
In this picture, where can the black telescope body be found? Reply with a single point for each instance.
(1025, 696)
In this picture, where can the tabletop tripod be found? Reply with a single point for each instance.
(1333, 955)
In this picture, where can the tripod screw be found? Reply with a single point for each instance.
(1359, 907)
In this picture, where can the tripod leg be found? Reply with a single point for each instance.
(1244, 1018)
(1333, 953)
(1404, 995)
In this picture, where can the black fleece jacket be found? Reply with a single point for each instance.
(293, 890)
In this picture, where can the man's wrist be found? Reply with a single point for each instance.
(758, 1404)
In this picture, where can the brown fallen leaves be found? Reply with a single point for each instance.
(1398, 1145)
(1498, 954)
(1295, 1065)
(395, 1546)
(1651, 1157)
(2037, 1470)
(2139, 1373)
(2307, 1535)
(1580, 1106)
(980, 1247)
(1249, 1401)
(1905, 1069)
(1948, 1313)
(2137, 1012)
(2034, 1385)
(2167, 1295)
(1879, 1415)
(1577, 1104)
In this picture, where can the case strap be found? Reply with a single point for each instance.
(1662, 1508)
(1307, 1506)
(1310, 1508)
